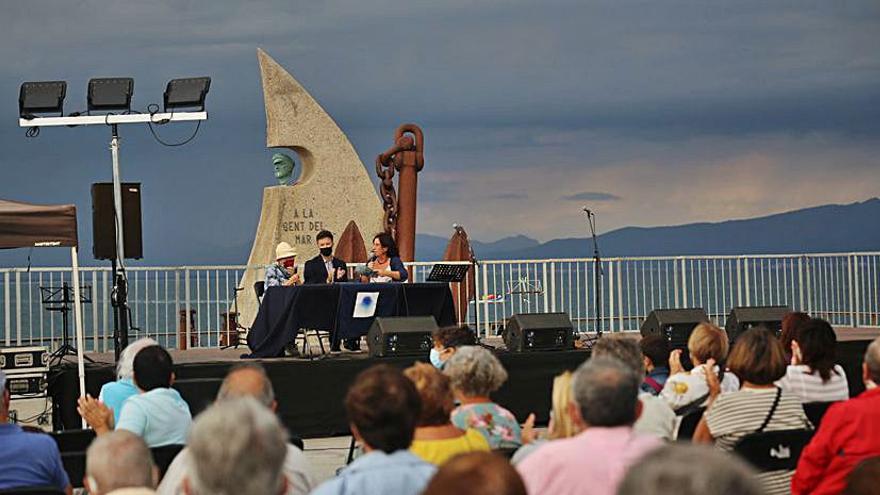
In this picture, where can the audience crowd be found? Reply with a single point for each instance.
(616, 425)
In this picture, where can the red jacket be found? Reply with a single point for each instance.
(848, 434)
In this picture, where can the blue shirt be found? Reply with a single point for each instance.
(660, 374)
(276, 275)
(29, 460)
(400, 473)
(114, 394)
(160, 417)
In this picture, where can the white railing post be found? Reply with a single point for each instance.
(545, 281)
(553, 288)
(853, 291)
(485, 297)
(620, 307)
(7, 312)
(17, 307)
(675, 283)
(684, 284)
(747, 283)
(801, 305)
(186, 317)
(611, 295)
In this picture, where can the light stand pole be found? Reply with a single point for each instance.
(120, 281)
(120, 289)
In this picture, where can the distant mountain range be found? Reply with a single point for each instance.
(829, 228)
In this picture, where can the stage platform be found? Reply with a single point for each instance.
(310, 392)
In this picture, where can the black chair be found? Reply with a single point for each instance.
(73, 440)
(506, 452)
(35, 490)
(773, 450)
(164, 455)
(815, 411)
(75, 466)
(297, 441)
(689, 423)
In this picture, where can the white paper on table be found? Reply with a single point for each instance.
(365, 304)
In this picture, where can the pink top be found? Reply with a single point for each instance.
(592, 462)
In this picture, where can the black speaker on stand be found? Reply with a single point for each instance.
(104, 246)
(676, 326)
(741, 319)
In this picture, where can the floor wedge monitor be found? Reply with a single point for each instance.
(401, 336)
(528, 332)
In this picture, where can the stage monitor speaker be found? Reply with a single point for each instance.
(741, 319)
(676, 325)
(401, 336)
(527, 332)
(103, 229)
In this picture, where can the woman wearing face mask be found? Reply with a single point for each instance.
(385, 264)
(447, 340)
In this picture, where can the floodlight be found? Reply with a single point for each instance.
(187, 93)
(110, 93)
(41, 97)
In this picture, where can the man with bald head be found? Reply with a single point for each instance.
(848, 434)
(246, 380)
(120, 463)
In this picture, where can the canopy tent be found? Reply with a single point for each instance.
(30, 225)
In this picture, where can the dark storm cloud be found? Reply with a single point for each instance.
(591, 196)
(497, 86)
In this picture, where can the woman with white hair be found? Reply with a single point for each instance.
(476, 373)
(114, 394)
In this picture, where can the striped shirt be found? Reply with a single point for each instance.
(799, 381)
(736, 414)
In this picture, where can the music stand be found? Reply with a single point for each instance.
(59, 299)
(449, 273)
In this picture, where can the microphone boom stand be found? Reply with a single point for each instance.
(597, 272)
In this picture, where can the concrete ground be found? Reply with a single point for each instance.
(326, 455)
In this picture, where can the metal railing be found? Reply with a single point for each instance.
(842, 288)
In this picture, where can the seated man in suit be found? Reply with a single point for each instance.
(325, 268)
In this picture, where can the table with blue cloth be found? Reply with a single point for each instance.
(286, 310)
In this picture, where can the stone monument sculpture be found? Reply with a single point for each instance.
(333, 187)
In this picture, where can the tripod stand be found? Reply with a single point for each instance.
(60, 299)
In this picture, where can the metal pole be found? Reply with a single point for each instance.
(119, 277)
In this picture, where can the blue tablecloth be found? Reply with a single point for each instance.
(285, 310)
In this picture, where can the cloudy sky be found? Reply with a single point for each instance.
(650, 113)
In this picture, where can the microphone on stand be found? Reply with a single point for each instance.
(587, 211)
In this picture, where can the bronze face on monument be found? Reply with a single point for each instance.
(284, 166)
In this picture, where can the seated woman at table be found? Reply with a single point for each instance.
(283, 272)
(385, 265)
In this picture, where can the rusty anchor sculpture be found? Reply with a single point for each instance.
(407, 157)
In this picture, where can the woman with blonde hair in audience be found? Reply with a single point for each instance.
(561, 425)
(475, 374)
(689, 388)
(436, 439)
(758, 359)
(813, 375)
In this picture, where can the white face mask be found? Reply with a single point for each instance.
(434, 357)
